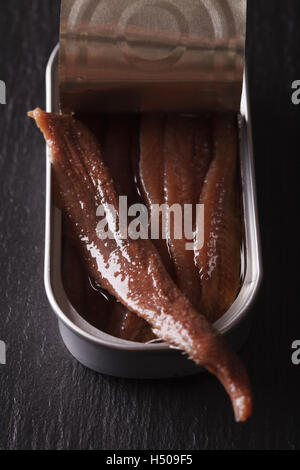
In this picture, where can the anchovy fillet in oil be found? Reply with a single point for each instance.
(219, 259)
(186, 156)
(132, 270)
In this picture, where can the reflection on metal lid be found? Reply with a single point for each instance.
(149, 55)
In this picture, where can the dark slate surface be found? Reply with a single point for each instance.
(48, 400)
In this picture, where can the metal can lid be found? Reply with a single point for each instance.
(152, 55)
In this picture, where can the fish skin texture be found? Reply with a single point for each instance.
(151, 173)
(219, 260)
(187, 156)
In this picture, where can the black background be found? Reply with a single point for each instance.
(48, 400)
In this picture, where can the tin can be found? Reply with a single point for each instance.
(113, 356)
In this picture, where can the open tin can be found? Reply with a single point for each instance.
(113, 356)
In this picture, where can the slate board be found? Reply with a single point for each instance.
(48, 400)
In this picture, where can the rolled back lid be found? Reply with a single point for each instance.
(152, 55)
